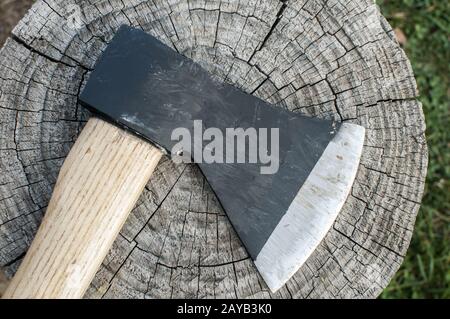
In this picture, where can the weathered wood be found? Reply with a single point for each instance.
(333, 59)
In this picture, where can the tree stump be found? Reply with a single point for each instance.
(331, 59)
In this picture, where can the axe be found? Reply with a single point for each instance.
(141, 91)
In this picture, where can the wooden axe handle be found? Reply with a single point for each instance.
(97, 187)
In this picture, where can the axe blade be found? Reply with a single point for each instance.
(148, 88)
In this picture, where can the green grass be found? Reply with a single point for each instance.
(425, 272)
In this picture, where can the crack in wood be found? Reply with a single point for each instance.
(272, 28)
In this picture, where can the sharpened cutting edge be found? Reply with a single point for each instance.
(314, 209)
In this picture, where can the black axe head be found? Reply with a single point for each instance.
(281, 210)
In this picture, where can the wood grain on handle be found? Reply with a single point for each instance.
(97, 187)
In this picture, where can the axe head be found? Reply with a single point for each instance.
(281, 216)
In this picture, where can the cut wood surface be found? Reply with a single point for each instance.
(331, 59)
